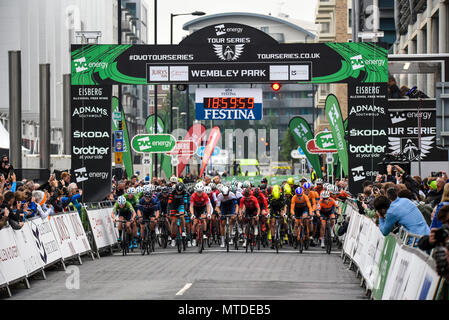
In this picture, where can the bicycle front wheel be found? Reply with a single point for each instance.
(328, 239)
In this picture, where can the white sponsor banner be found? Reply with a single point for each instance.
(279, 72)
(158, 73)
(374, 251)
(64, 235)
(398, 274)
(415, 279)
(27, 249)
(81, 243)
(179, 73)
(102, 227)
(46, 243)
(12, 264)
(428, 284)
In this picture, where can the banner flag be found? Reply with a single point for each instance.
(163, 159)
(197, 133)
(302, 133)
(212, 141)
(127, 156)
(333, 113)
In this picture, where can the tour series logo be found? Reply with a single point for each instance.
(230, 47)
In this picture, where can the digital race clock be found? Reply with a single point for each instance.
(228, 104)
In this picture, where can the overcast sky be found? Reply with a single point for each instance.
(296, 9)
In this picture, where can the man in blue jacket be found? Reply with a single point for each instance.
(402, 211)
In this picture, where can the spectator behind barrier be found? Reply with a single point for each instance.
(426, 210)
(436, 223)
(401, 211)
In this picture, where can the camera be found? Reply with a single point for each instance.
(436, 174)
(442, 234)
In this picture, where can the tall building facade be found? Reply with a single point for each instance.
(334, 18)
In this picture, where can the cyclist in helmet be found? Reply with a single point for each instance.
(124, 212)
(139, 193)
(173, 181)
(302, 181)
(131, 197)
(148, 209)
(177, 202)
(163, 197)
(326, 209)
(249, 207)
(226, 205)
(277, 206)
(291, 183)
(199, 207)
(319, 186)
(288, 195)
(300, 208)
(314, 198)
(263, 204)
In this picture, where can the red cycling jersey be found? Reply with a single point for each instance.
(199, 201)
(263, 203)
(250, 203)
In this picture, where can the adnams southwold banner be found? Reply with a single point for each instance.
(91, 140)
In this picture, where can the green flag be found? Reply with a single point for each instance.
(163, 159)
(333, 113)
(127, 156)
(302, 133)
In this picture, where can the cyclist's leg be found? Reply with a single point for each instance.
(323, 225)
(173, 225)
(272, 226)
(153, 223)
(203, 223)
(305, 222)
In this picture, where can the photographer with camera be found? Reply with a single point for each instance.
(6, 168)
(14, 210)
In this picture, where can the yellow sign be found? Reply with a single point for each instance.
(118, 157)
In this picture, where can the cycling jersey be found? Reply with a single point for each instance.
(163, 202)
(314, 199)
(199, 200)
(227, 206)
(177, 202)
(263, 204)
(133, 200)
(328, 207)
(276, 205)
(126, 212)
(343, 195)
(300, 205)
(318, 190)
(251, 204)
(149, 208)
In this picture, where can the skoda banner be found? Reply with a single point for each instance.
(300, 130)
(91, 140)
(333, 113)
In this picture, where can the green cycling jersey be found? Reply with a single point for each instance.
(127, 209)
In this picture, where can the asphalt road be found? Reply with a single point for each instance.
(214, 274)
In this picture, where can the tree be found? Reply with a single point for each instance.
(287, 145)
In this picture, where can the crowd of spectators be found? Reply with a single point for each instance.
(420, 206)
(24, 199)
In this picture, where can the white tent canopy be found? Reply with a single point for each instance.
(4, 139)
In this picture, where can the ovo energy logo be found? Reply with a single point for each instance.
(357, 62)
(81, 64)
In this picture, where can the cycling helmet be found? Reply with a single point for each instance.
(190, 190)
(139, 189)
(307, 186)
(325, 185)
(131, 190)
(180, 180)
(335, 190)
(147, 187)
(165, 190)
(330, 187)
(319, 181)
(247, 193)
(247, 184)
(291, 181)
(121, 201)
(219, 187)
(207, 189)
(199, 187)
(303, 180)
(325, 194)
(147, 194)
(212, 185)
(158, 189)
(276, 193)
(180, 187)
(263, 186)
(256, 192)
(269, 189)
(225, 190)
(264, 181)
(299, 191)
(287, 189)
(173, 179)
(239, 185)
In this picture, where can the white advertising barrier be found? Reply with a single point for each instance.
(361, 242)
(398, 274)
(45, 240)
(12, 264)
(415, 278)
(429, 283)
(102, 227)
(69, 234)
(353, 230)
(28, 250)
(2, 277)
(373, 255)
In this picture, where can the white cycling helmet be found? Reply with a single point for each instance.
(239, 185)
(139, 189)
(319, 181)
(212, 185)
(199, 187)
(325, 185)
(225, 190)
(207, 189)
(329, 187)
(219, 187)
(147, 188)
(325, 194)
(131, 190)
(335, 190)
(121, 201)
(247, 184)
(174, 179)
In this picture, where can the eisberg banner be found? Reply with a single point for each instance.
(91, 140)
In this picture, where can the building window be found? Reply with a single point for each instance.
(349, 18)
(325, 27)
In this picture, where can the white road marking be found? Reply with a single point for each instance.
(184, 289)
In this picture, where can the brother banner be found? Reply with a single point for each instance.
(367, 131)
(91, 140)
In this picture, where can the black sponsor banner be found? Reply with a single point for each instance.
(91, 140)
(403, 131)
(367, 131)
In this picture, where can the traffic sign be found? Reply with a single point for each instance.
(200, 151)
(301, 152)
(184, 148)
(116, 116)
(153, 143)
(118, 141)
(371, 34)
